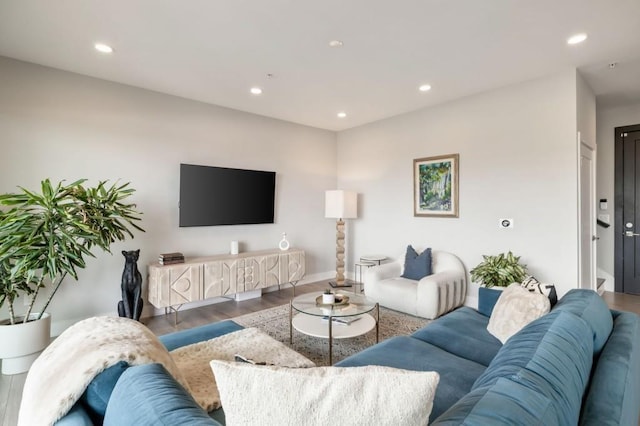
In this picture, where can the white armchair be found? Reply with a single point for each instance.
(430, 297)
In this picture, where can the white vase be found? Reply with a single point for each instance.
(22, 343)
(284, 243)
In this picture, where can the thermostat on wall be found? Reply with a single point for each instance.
(505, 223)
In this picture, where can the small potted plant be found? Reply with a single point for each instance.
(328, 298)
(495, 273)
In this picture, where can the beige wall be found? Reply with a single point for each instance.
(65, 126)
(608, 120)
(518, 159)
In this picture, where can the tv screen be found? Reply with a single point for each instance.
(220, 196)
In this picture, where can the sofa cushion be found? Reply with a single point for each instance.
(270, 395)
(552, 356)
(516, 308)
(462, 332)
(77, 416)
(589, 306)
(456, 374)
(532, 344)
(400, 294)
(504, 403)
(198, 334)
(417, 266)
(612, 396)
(148, 395)
(96, 396)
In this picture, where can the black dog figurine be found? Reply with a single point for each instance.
(131, 304)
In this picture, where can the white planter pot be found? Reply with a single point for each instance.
(328, 299)
(20, 344)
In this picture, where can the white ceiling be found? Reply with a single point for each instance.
(215, 50)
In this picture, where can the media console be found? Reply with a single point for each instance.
(171, 286)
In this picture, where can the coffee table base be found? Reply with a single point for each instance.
(315, 326)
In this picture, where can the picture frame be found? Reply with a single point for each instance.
(435, 186)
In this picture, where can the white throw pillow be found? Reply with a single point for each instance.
(515, 308)
(259, 395)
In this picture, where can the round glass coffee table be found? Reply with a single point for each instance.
(349, 318)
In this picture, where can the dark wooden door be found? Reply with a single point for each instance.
(627, 224)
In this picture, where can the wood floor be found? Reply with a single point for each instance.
(11, 386)
(221, 311)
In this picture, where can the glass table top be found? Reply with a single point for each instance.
(311, 304)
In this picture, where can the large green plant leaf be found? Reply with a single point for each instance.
(46, 236)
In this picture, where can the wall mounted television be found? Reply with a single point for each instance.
(211, 196)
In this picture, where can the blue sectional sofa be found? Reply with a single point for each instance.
(579, 364)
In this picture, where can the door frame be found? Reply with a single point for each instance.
(591, 256)
(618, 195)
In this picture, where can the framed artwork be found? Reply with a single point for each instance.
(435, 186)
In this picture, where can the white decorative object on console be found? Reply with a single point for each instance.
(284, 244)
(202, 278)
(234, 247)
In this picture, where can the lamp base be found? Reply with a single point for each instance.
(347, 284)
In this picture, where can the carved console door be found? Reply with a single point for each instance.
(175, 285)
(221, 278)
(294, 266)
(262, 271)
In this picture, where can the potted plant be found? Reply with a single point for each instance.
(328, 298)
(496, 271)
(43, 238)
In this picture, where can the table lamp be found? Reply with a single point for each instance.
(340, 205)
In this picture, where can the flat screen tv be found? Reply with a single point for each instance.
(212, 196)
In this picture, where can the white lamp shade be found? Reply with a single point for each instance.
(341, 204)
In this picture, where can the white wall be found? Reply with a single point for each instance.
(586, 111)
(65, 126)
(517, 149)
(608, 120)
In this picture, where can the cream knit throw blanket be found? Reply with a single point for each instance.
(193, 360)
(62, 372)
(60, 375)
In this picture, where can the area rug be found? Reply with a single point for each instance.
(275, 322)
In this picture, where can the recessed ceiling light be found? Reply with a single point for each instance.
(336, 43)
(256, 90)
(578, 38)
(342, 114)
(424, 88)
(103, 48)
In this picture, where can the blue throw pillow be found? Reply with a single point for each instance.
(148, 395)
(96, 396)
(417, 266)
